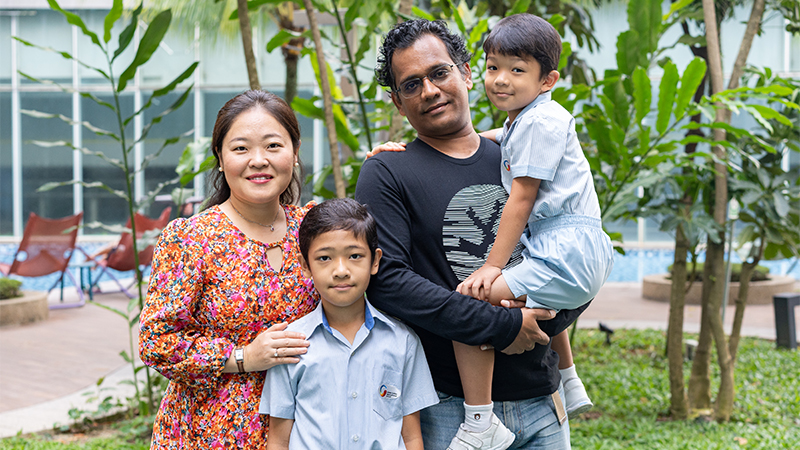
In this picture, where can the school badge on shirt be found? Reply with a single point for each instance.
(388, 391)
(507, 165)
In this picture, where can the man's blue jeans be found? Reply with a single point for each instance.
(532, 421)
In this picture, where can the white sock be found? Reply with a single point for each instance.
(477, 418)
(568, 373)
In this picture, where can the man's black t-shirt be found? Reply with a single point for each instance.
(437, 219)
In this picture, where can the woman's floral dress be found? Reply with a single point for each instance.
(213, 289)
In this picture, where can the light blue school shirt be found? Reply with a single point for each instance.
(344, 396)
(542, 143)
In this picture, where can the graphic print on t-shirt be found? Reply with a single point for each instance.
(470, 226)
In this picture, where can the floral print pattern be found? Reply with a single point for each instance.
(212, 289)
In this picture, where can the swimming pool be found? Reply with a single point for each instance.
(631, 267)
(637, 263)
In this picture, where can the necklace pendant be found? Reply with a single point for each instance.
(271, 228)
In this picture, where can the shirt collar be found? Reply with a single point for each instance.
(369, 316)
(541, 98)
(317, 317)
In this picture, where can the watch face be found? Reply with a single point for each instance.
(238, 354)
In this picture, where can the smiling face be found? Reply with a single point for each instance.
(340, 264)
(437, 111)
(257, 158)
(512, 83)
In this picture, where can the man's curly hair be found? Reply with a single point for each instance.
(405, 34)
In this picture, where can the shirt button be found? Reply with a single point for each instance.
(355, 438)
(354, 394)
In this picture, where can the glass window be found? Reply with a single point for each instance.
(5, 52)
(6, 186)
(628, 228)
(173, 57)
(98, 204)
(42, 165)
(178, 122)
(48, 29)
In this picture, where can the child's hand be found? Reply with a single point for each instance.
(479, 284)
(387, 147)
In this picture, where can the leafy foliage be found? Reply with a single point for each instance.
(9, 288)
(148, 44)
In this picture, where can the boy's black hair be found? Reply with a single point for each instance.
(405, 34)
(526, 35)
(338, 214)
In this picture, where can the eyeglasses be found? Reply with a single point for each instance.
(438, 77)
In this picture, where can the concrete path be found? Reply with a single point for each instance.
(48, 367)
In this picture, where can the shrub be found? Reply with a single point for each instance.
(760, 274)
(9, 288)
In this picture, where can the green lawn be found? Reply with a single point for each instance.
(628, 382)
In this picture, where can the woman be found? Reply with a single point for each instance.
(225, 283)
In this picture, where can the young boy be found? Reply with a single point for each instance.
(552, 210)
(567, 257)
(365, 377)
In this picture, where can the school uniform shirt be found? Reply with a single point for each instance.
(343, 395)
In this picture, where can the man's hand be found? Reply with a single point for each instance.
(530, 334)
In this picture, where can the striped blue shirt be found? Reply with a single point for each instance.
(542, 143)
(352, 396)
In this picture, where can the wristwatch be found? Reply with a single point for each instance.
(238, 355)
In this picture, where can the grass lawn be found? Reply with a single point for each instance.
(628, 383)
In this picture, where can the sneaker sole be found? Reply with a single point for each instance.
(580, 409)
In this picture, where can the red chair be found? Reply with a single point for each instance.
(120, 257)
(46, 247)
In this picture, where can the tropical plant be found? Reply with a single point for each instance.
(630, 148)
(148, 44)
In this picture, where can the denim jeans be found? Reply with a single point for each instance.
(532, 421)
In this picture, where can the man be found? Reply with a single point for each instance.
(437, 206)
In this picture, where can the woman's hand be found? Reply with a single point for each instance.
(387, 147)
(274, 346)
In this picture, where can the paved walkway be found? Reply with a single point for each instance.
(48, 367)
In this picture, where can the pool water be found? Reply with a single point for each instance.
(636, 263)
(631, 267)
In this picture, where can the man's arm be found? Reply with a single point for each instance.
(401, 292)
(279, 432)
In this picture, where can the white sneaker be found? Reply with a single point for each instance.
(496, 437)
(576, 400)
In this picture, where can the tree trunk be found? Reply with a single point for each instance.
(247, 44)
(327, 100)
(741, 302)
(678, 402)
(699, 380)
(747, 42)
(291, 50)
(397, 120)
(724, 404)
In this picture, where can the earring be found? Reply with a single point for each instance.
(220, 168)
(297, 164)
